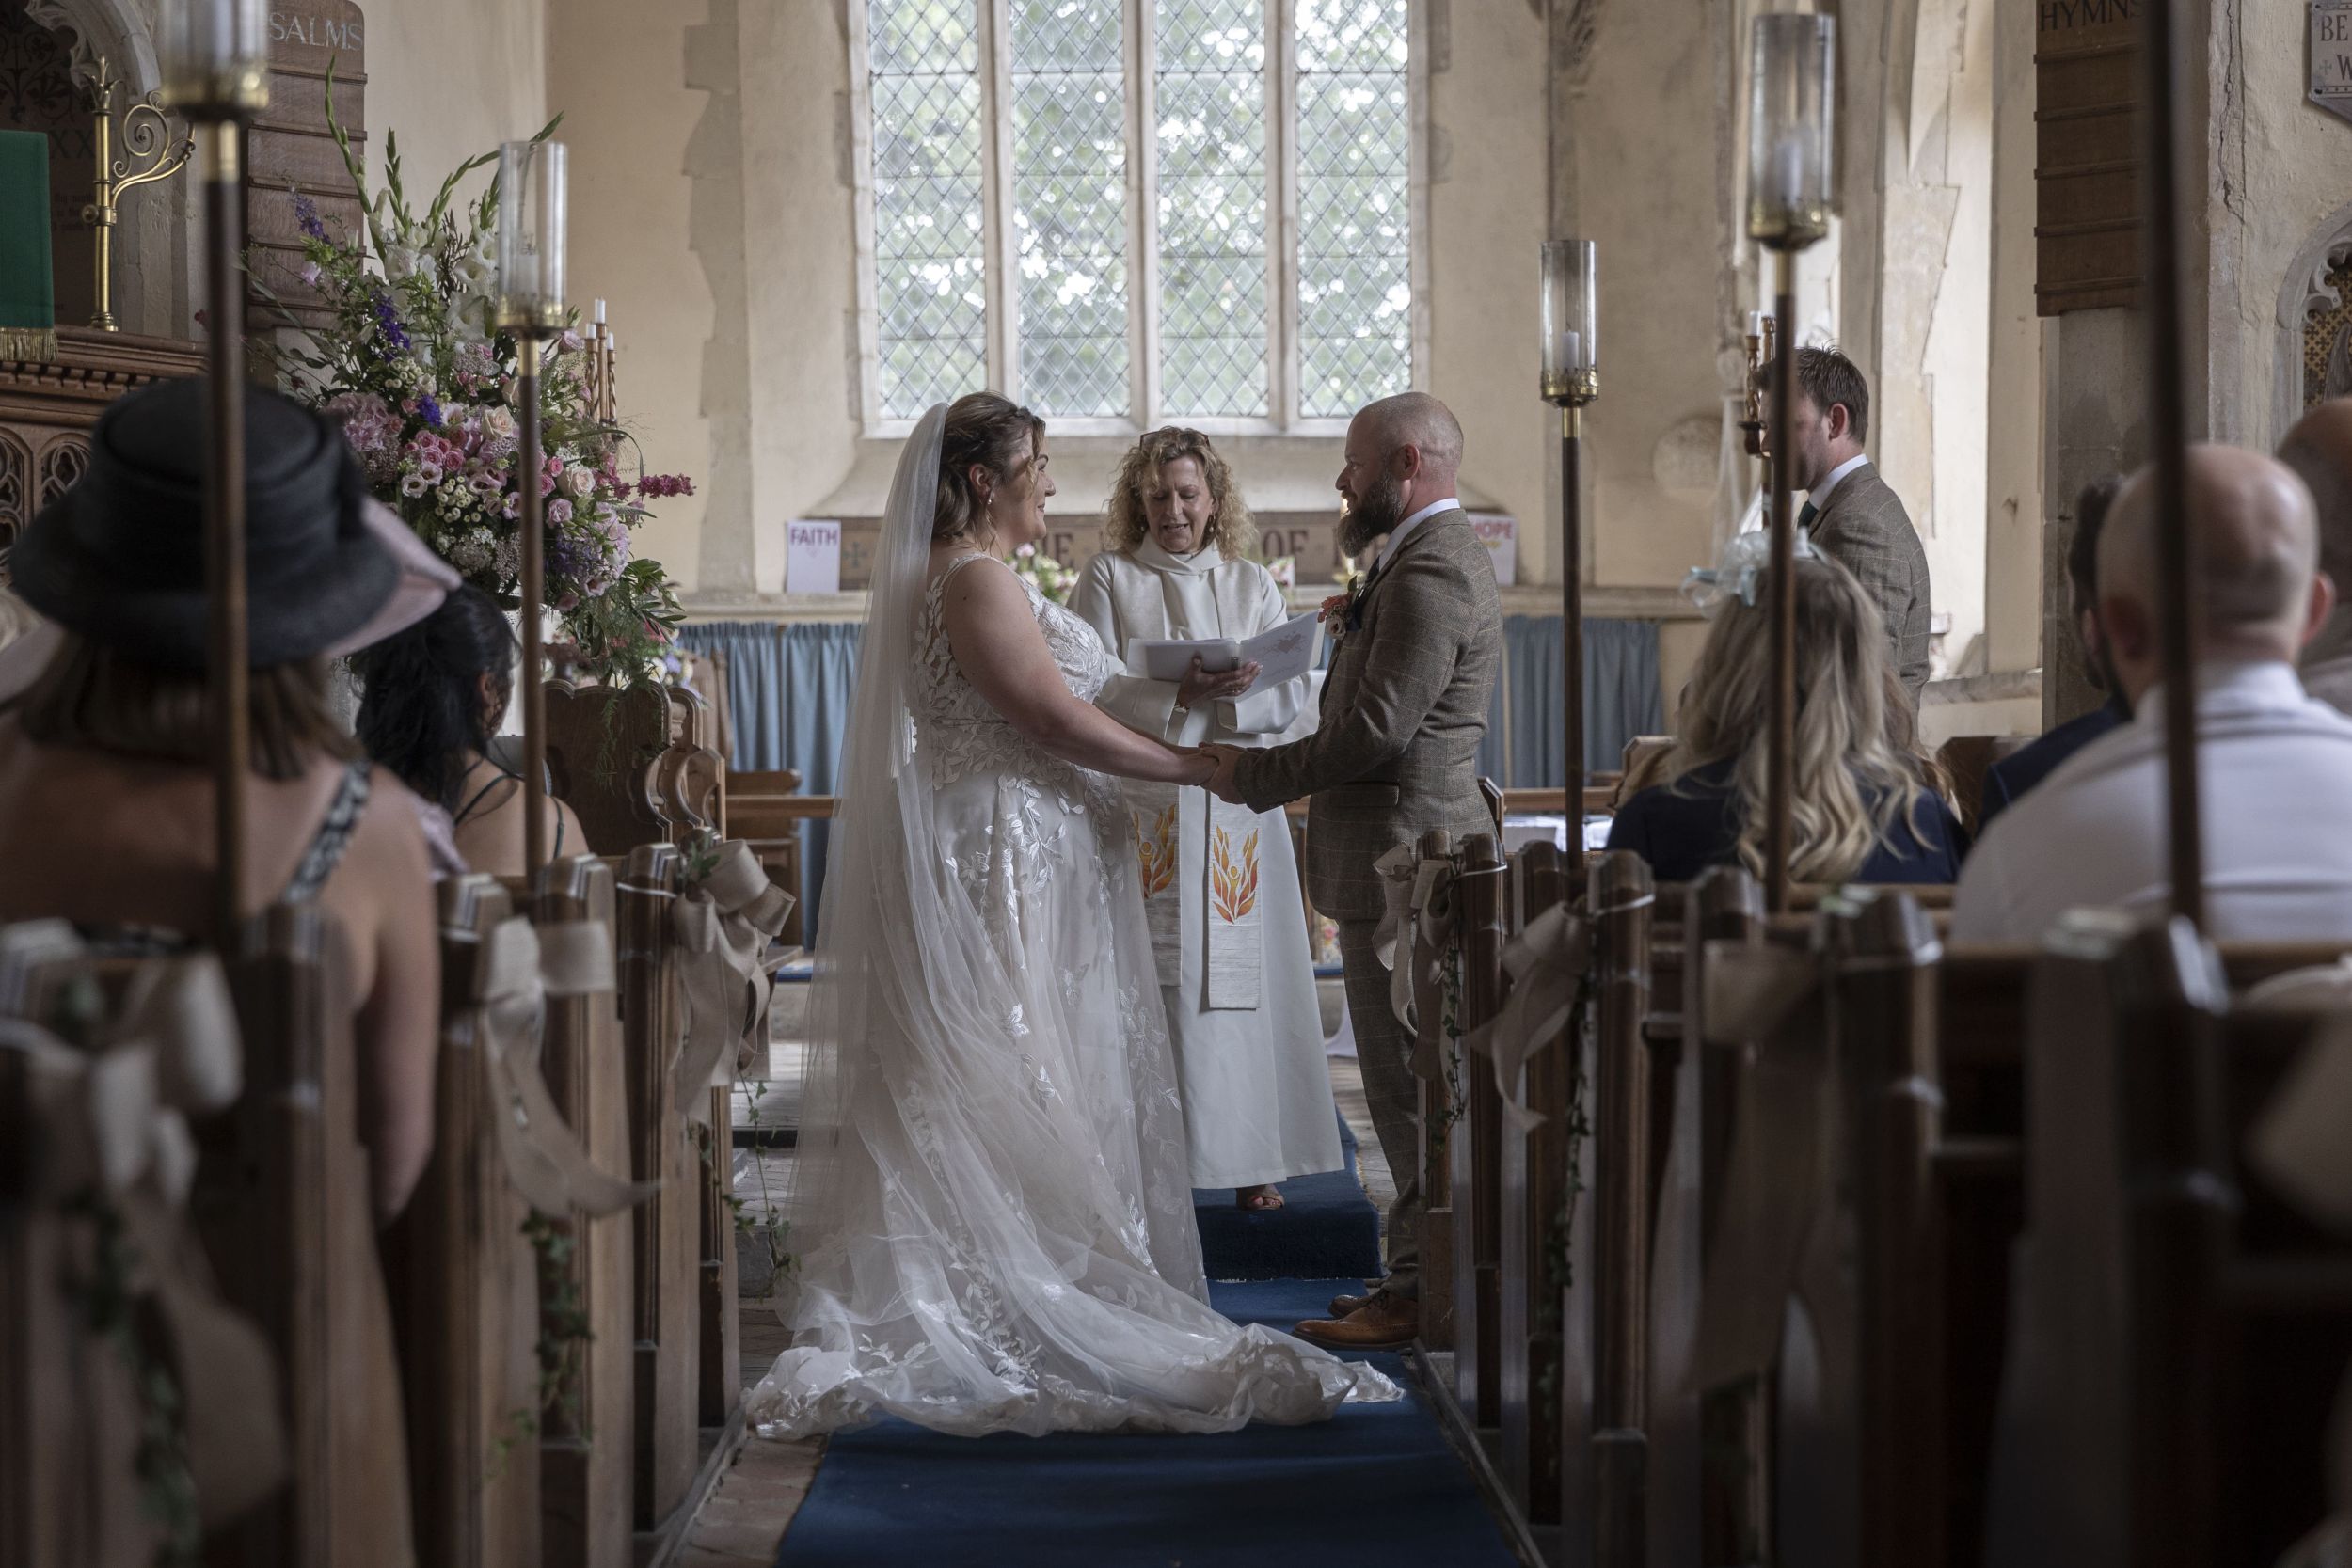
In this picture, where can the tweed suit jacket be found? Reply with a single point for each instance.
(1403, 710)
(1865, 530)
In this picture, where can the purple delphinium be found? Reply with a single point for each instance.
(429, 410)
(563, 555)
(387, 323)
(307, 215)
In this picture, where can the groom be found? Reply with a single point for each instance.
(1404, 709)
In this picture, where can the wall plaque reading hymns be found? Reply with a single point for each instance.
(2086, 157)
(291, 152)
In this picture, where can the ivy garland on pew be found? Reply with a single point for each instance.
(109, 1302)
(564, 1339)
(1452, 1026)
(1559, 1270)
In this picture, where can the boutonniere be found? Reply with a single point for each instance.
(1344, 611)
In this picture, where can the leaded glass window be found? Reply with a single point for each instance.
(931, 293)
(1354, 197)
(1132, 212)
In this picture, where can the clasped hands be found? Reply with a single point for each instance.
(1220, 780)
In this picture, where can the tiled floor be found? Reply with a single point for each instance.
(743, 1523)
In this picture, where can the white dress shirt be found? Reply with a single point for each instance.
(2275, 775)
(1818, 495)
(1398, 534)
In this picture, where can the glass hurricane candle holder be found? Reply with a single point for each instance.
(1791, 75)
(213, 56)
(1571, 321)
(531, 237)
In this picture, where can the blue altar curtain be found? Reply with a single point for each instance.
(789, 693)
(1523, 749)
(789, 687)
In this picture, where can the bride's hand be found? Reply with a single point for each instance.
(1199, 686)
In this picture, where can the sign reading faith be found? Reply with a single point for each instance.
(812, 556)
(2332, 55)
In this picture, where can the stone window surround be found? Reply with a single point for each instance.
(1283, 212)
(2304, 290)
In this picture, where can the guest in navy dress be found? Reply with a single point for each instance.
(2010, 777)
(1866, 804)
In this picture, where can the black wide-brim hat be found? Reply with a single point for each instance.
(120, 557)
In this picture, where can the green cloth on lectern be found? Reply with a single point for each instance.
(28, 301)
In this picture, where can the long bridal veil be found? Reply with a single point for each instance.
(989, 1194)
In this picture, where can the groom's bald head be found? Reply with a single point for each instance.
(1418, 420)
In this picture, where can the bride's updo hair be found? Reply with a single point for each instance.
(990, 431)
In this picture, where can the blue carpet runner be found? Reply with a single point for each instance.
(1325, 1229)
(1377, 1485)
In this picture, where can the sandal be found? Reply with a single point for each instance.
(1262, 1199)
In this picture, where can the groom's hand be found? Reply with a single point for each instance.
(1221, 781)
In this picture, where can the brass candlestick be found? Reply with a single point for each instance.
(1791, 72)
(1760, 344)
(148, 154)
(215, 65)
(530, 309)
(1571, 378)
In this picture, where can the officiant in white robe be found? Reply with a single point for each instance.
(1220, 882)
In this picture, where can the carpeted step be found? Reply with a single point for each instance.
(1325, 1229)
(1376, 1483)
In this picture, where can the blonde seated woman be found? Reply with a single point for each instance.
(1865, 806)
(1234, 972)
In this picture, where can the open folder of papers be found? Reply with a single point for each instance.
(1282, 653)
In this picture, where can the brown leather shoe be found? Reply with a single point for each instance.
(1387, 1323)
(1343, 1306)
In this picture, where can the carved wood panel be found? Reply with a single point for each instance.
(2086, 157)
(16, 486)
(291, 152)
(63, 461)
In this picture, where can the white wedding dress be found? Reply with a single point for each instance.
(991, 1201)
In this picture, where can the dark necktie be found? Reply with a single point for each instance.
(1806, 514)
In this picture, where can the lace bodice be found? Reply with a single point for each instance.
(956, 725)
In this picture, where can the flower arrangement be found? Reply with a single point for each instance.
(1054, 580)
(424, 384)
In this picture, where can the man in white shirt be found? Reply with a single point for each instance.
(2274, 765)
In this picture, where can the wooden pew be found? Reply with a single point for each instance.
(1534, 1180)
(589, 1416)
(1605, 1329)
(667, 1229)
(281, 1202)
(464, 1285)
(1474, 1142)
(106, 1329)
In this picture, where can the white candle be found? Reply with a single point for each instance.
(1568, 351)
(599, 312)
(1756, 324)
(1788, 180)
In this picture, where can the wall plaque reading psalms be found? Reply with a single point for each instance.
(2332, 55)
(2086, 154)
(290, 152)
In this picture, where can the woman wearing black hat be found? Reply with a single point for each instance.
(105, 799)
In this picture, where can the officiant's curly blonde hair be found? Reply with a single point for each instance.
(1231, 529)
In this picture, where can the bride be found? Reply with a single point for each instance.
(990, 1190)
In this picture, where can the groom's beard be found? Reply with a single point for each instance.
(1376, 512)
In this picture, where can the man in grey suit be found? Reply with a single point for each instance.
(1853, 517)
(1404, 709)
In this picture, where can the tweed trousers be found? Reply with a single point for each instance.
(1393, 1096)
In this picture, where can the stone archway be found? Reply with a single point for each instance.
(153, 250)
(2314, 320)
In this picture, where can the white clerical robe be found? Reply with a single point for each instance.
(1249, 1034)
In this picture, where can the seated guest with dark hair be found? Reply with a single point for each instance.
(2319, 449)
(2275, 766)
(435, 695)
(1866, 807)
(2018, 772)
(106, 802)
